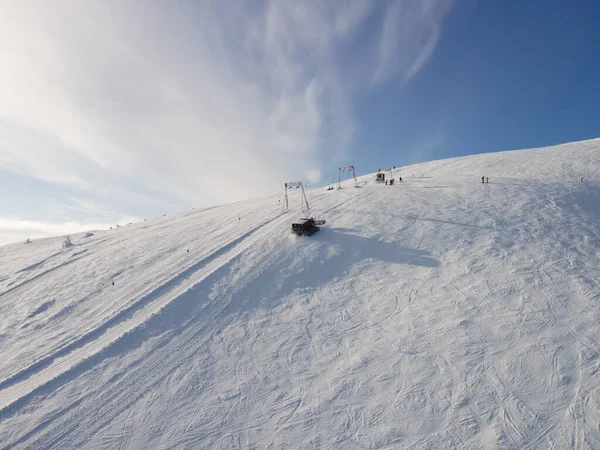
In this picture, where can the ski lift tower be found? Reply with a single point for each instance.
(296, 184)
(346, 169)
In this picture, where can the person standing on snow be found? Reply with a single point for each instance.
(482, 179)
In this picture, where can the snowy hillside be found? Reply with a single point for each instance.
(435, 313)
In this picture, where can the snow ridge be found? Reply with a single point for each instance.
(440, 312)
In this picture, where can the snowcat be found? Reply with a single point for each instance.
(306, 226)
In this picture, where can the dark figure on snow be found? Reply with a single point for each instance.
(482, 179)
(400, 179)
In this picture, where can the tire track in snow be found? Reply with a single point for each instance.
(52, 366)
(576, 408)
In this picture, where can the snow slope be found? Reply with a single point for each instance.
(436, 313)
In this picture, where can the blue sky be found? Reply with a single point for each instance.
(505, 75)
(115, 111)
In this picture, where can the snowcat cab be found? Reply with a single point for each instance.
(306, 226)
(380, 177)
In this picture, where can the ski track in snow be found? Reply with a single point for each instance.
(435, 313)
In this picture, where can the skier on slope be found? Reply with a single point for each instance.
(482, 179)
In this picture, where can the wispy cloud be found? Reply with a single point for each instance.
(409, 35)
(203, 102)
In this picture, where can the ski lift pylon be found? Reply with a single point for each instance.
(304, 201)
(346, 169)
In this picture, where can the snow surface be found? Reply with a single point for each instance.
(436, 313)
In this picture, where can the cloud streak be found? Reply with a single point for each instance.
(410, 32)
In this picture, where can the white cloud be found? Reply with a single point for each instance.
(169, 110)
(410, 32)
(204, 102)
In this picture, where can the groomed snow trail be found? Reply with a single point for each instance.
(436, 313)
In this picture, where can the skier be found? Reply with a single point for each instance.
(482, 179)
(581, 179)
(487, 179)
(400, 179)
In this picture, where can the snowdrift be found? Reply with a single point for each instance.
(439, 312)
